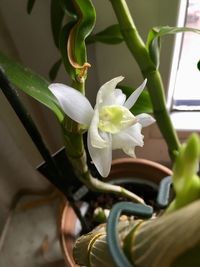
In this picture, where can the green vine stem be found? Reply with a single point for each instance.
(155, 85)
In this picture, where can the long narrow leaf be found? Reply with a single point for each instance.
(31, 83)
(57, 15)
(85, 24)
(110, 35)
(166, 30)
(198, 65)
(63, 49)
(68, 7)
(54, 69)
(172, 240)
(30, 5)
(73, 37)
(153, 39)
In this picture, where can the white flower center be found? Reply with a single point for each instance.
(114, 118)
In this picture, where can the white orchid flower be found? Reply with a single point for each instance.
(110, 124)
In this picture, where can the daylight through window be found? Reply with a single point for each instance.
(186, 92)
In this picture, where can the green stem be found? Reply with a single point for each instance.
(97, 185)
(156, 90)
(73, 137)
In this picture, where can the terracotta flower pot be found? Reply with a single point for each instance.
(143, 172)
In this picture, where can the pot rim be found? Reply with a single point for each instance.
(119, 166)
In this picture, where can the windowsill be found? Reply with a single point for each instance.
(186, 121)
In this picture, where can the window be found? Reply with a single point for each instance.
(184, 91)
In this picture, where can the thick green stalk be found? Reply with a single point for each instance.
(73, 137)
(139, 51)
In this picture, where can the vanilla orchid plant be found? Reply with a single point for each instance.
(111, 125)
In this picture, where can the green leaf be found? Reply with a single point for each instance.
(54, 69)
(154, 51)
(72, 39)
(110, 35)
(30, 5)
(85, 24)
(57, 15)
(73, 35)
(68, 7)
(198, 65)
(153, 40)
(142, 105)
(63, 49)
(31, 83)
(186, 182)
(171, 240)
(188, 258)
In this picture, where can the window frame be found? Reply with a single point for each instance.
(183, 120)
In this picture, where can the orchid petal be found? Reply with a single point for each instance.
(101, 158)
(96, 139)
(135, 132)
(145, 119)
(74, 104)
(134, 96)
(120, 97)
(128, 139)
(105, 94)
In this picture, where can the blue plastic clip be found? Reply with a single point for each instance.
(112, 234)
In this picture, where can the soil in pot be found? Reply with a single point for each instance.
(137, 175)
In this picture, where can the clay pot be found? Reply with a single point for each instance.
(143, 172)
(67, 237)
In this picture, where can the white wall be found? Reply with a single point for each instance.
(28, 39)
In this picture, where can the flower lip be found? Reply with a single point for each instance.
(114, 118)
